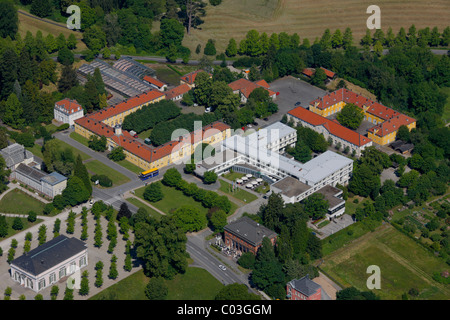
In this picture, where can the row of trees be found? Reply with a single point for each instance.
(150, 115)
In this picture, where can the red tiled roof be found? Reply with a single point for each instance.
(330, 74)
(263, 83)
(308, 72)
(372, 107)
(190, 77)
(141, 150)
(391, 125)
(181, 89)
(246, 87)
(154, 81)
(333, 127)
(71, 106)
(131, 103)
(95, 126)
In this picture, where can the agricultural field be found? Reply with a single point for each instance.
(403, 263)
(309, 18)
(27, 23)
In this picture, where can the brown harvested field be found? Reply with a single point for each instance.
(27, 23)
(309, 18)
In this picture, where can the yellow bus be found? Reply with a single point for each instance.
(148, 174)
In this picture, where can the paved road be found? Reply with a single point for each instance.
(111, 196)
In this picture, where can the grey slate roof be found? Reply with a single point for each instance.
(31, 173)
(14, 154)
(249, 230)
(49, 254)
(305, 286)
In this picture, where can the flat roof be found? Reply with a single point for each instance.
(291, 187)
(273, 132)
(312, 171)
(330, 194)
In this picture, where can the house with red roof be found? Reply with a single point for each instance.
(330, 129)
(309, 72)
(245, 87)
(115, 114)
(386, 120)
(189, 78)
(155, 83)
(177, 93)
(67, 111)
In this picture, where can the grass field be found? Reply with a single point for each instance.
(97, 167)
(27, 23)
(238, 193)
(36, 150)
(17, 201)
(12, 232)
(78, 137)
(173, 199)
(309, 18)
(62, 145)
(128, 165)
(139, 204)
(403, 263)
(195, 284)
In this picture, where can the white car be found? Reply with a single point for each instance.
(222, 267)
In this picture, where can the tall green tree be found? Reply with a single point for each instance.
(81, 172)
(351, 116)
(9, 20)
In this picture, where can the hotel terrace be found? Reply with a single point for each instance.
(386, 120)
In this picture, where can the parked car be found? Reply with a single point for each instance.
(255, 123)
(136, 136)
(297, 103)
(249, 125)
(266, 119)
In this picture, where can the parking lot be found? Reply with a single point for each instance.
(292, 90)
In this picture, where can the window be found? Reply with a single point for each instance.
(41, 284)
(62, 272)
(83, 261)
(72, 267)
(52, 278)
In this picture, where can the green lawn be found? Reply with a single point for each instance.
(139, 204)
(36, 150)
(232, 176)
(343, 237)
(17, 201)
(78, 137)
(173, 199)
(403, 264)
(238, 193)
(97, 167)
(130, 166)
(145, 134)
(62, 145)
(12, 232)
(195, 284)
